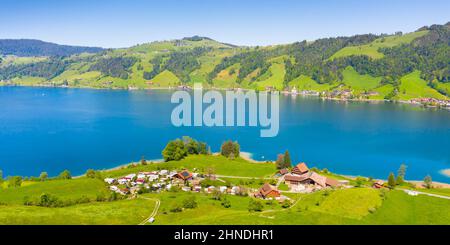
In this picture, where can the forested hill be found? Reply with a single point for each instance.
(398, 66)
(30, 47)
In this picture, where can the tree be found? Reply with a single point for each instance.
(280, 161)
(43, 176)
(143, 161)
(255, 205)
(15, 181)
(174, 151)
(65, 175)
(190, 202)
(287, 159)
(229, 148)
(90, 173)
(391, 180)
(428, 182)
(401, 174)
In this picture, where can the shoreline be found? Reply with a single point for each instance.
(372, 101)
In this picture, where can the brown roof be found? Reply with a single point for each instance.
(184, 175)
(283, 171)
(266, 189)
(332, 182)
(292, 177)
(302, 167)
(318, 179)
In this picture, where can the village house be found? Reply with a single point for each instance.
(308, 180)
(183, 175)
(283, 171)
(110, 181)
(300, 169)
(378, 184)
(223, 189)
(267, 191)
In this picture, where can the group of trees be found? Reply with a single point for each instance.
(30, 47)
(46, 69)
(230, 149)
(114, 66)
(283, 160)
(178, 149)
(180, 63)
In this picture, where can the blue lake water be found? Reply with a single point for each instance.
(52, 129)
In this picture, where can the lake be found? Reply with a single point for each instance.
(52, 129)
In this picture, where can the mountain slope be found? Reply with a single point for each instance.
(31, 47)
(370, 66)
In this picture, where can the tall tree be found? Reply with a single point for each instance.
(428, 182)
(391, 181)
(287, 159)
(280, 161)
(65, 175)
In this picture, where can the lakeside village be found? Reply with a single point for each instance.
(287, 179)
(299, 180)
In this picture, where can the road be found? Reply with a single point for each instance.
(426, 193)
(155, 210)
(240, 177)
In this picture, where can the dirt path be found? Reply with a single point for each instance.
(155, 210)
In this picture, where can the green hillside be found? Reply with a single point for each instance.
(369, 65)
(372, 49)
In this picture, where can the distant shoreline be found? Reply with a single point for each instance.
(373, 101)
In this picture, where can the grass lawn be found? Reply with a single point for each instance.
(275, 79)
(372, 48)
(220, 164)
(359, 82)
(62, 189)
(412, 86)
(307, 83)
(400, 208)
(165, 79)
(124, 212)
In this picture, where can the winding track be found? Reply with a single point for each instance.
(155, 210)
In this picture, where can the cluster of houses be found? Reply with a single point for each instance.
(431, 102)
(162, 180)
(299, 179)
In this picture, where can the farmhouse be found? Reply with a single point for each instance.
(283, 171)
(268, 191)
(183, 175)
(295, 181)
(300, 169)
(378, 184)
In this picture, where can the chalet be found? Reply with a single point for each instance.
(124, 191)
(309, 178)
(300, 169)
(183, 175)
(378, 184)
(268, 191)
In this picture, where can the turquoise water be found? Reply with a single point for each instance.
(52, 129)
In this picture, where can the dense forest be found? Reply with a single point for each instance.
(30, 47)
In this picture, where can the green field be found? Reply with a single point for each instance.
(412, 86)
(62, 189)
(307, 83)
(359, 82)
(272, 78)
(372, 49)
(220, 164)
(125, 212)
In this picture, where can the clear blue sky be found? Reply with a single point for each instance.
(115, 23)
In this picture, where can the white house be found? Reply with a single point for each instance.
(168, 187)
(123, 181)
(130, 176)
(186, 188)
(114, 188)
(110, 180)
(163, 172)
(223, 189)
(153, 177)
